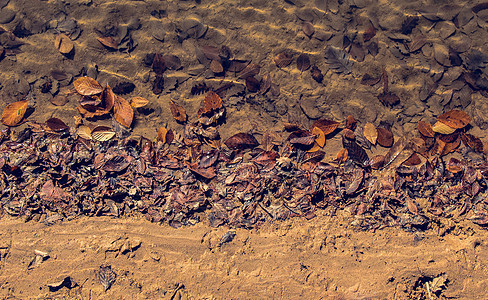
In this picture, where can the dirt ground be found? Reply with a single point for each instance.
(295, 259)
(322, 258)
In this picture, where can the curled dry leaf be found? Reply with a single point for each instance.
(455, 118)
(426, 129)
(454, 165)
(320, 136)
(102, 133)
(84, 132)
(385, 137)
(472, 141)
(165, 135)
(327, 126)
(137, 102)
(57, 125)
(241, 141)
(123, 112)
(442, 128)
(63, 44)
(14, 112)
(107, 98)
(370, 133)
(109, 42)
(87, 86)
(178, 112)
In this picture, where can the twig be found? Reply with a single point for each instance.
(428, 291)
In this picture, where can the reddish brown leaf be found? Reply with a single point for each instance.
(385, 137)
(158, 65)
(317, 74)
(377, 162)
(87, 86)
(208, 173)
(178, 112)
(351, 123)
(412, 207)
(108, 42)
(59, 100)
(14, 112)
(342, 155)
(425, 129)
(211, 103)
(63, 44)
(216, 67)
(454, 165)
(56, 125)
(251, 69)
(241, 141)
(472, 141)
(349, 134)
(369, 80)
(327, 126)
(116, 164)
(455, 118)
(123, 112)
(369, 33)
(108, 98)
(413, 160)
(303, 62)
(252, 84)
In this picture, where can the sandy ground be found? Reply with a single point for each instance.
(294, 259)
(324, 258)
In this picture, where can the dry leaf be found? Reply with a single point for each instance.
(123, 112)
(106, 276)
(320, 136)
(14, 112)
(425, 129)
(455, 118)
(351, 123)
(178, 112)
(327, 126)
(241, 141)
(87, 86)
(63, 44)
(472, 141)
(137, 102)
(107, 98)
(442, 128)
(102, 133)
(216, 67)
(342, 155)
(162, 131)
(385, 137)
(454, 165)
(211, 103)
(85, 132)
(370, 133)
(413, 160)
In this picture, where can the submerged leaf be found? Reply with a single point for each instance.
(338, 60)
(327, 126)
(87, 86)
(455, 118)
(123, 112)
(137, 102)
(178, 112)
(106, 276)
(370, 133)
(241, 141)
(303, 62)
(102, 133)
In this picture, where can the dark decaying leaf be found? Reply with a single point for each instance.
(370, 80)
(56, 125)
(472, 141)
(172, 62)
(355, 152)
(303, 62)
(158, 65)
(369, 33)
(357, 52)
(317, 74)
(208, 173)
(116, 164)
(409, 24)
(251, 69)
(283, 59)
(66, 282)
(252, 84)
(106, 276)
(338, 60)
(241, 141)
(308, 29)
(388, 99)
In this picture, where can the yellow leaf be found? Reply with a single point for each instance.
(84, 132)
(442, 128)
(137, 102)
(320, 139)
(14, 112)
(370, 133)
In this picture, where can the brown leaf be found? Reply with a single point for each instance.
(349, 134)
(172, 62)
(302, 137)
(472, 141)
(283, 60)
(108, 98)
(241, 141)
(425, 129)
(87, 86)
(108, 42)
(216, 67)
(208, 173)
(251, 69)
(351, 123)
(413, 160)
(14, 112)
(389, 99)
(442, 128)
(178, 112)
(123, 112)
(317, 74)
(412, 206)
(377, 162)
(385, 137)
(455, 118)
(342, 155)
(84, 132)
(57, 125)
(137, 102)
(63, 44)
(162, 131)
(308, 29)
(211, 103)
(320, 136)
(370, 133)
(252, 84)
(303, 62)
(369, 33)
(158, 65)
(59, 100)
(370, 80)
(327, 126)
(357, 52)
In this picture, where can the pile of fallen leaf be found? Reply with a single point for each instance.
(51, 172)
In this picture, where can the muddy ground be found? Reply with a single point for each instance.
(320, 258)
